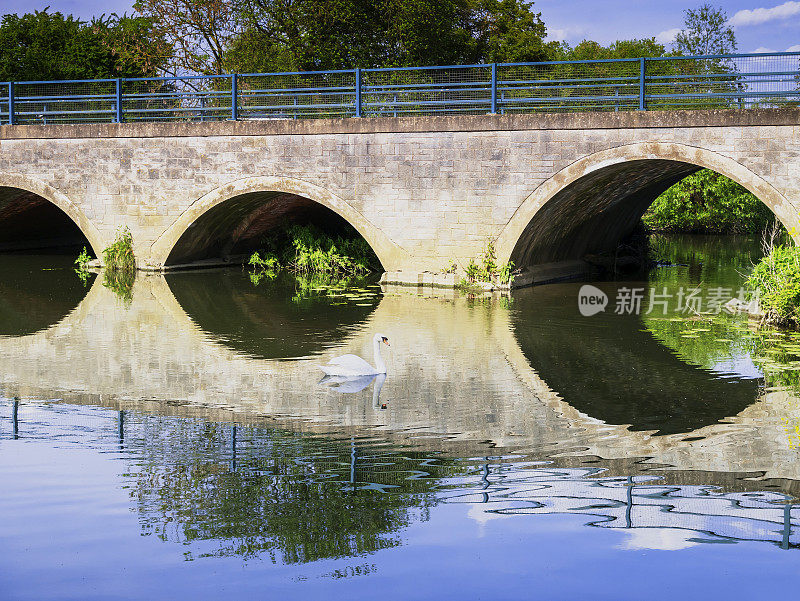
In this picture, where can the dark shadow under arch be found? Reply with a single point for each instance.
(31, 222)
(592, 214)
(236, 227)
(37, 292)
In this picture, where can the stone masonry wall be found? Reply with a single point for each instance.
(427, 190)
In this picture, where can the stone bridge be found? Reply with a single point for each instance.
(422, 191)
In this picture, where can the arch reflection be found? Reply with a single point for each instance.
(37, 292)
(272, 320)
(613, 369)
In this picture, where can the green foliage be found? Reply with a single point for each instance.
(343, 34)
(120, 265)
(472, 271)
(488, 270)
(706, 31)
(305, 249)
(265, 267)
(506, 273)
(708, 202)
(82, 266)
(119, 255)
(120, 283)
(48, 46)
(776, 278)
(510, 32)
(591, 50)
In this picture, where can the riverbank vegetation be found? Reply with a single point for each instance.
(44, 46)
(307, 249)
(776, 279)
(708, 203)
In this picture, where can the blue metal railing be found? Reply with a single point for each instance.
(663, 83)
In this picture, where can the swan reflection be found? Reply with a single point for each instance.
(351, 384)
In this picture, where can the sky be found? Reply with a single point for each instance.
(760, 25)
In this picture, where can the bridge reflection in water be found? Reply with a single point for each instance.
(251, 490)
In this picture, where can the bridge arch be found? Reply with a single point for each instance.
(13, 184)
(262, 189)
(594, 202)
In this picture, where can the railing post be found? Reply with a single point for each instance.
(494, 89)
(642, 105)
(11, 118)
(119, 100)
(234, 95)
(358, 92)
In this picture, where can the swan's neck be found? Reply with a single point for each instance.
(380, 366)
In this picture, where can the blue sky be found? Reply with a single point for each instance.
(760, 24)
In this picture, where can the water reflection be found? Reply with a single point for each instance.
(613, 368)
(228, 490)
(36, 292)
(265, 321)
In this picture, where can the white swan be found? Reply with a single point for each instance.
(352, 365)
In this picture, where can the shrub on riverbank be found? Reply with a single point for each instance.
(305, 249)
(776, 278)
(708, 203)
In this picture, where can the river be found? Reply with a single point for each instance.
(175, 441)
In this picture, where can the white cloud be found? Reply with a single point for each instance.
(668, 36)
(559, 35)
(795, 48)
(763, 49)
(757, 16)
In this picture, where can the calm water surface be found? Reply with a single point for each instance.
(178, 444)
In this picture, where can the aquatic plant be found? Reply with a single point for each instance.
(316, 252)
(119, 255)
(488, 270)
(120, 265)
(265, 267)
(82, 266)
(305, 249)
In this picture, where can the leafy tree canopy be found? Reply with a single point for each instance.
(706, 31)
(590, 50)
(49, 46)
(216, 36)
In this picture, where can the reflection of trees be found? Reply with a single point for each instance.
(611, 368)
(295, 497)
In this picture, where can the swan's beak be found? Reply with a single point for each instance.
(386, 342)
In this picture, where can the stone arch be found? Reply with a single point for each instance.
(387, 251)
(49, 193)
(693, 158)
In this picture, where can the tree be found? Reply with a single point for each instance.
(198, 32)
(298, 35)
(636, 48)
(707, 202)
(49, 46)
(509, 31)
(706, 32)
